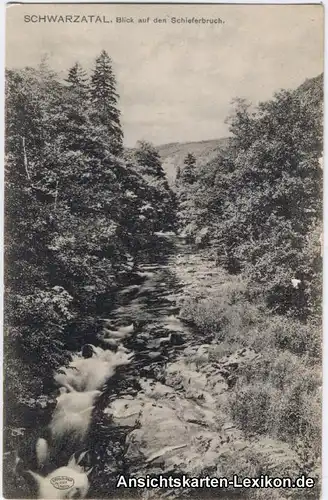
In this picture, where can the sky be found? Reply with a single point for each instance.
(176, 81)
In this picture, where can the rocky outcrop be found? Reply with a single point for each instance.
(183, 426)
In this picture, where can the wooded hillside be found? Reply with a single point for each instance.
(78, 215)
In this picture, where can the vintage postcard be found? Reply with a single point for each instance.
(163, 263)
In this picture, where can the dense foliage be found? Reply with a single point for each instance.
(261, 198)
(148, 165)
(257, 209)
(80, 211)
(77, 215)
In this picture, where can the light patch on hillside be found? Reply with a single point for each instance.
(173, 154)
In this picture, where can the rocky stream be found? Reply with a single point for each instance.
(148, 399)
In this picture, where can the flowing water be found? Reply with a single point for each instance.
(139, 336)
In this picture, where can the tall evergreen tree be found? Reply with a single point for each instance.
(75, 214)
(188, 173)
(190, 160)
(178, 174)
(77, 78)
(105, 97)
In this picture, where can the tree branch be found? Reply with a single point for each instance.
(25, 160)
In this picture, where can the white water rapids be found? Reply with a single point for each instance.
(81, 384)
(149, 309)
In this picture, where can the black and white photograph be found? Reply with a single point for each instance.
(163, 244)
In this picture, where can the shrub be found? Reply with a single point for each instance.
(250, 407)
(279, 395)
(261, 198)
(76, 213)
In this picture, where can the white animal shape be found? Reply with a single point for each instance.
(66, 482)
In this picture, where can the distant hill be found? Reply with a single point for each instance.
(173, 154)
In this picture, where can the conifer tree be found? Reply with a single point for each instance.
(75, 215)
(73, 123)
(105, 98)
(77, 78)
(188, 173)
(178, 174)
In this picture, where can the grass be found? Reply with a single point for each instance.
(277, 395)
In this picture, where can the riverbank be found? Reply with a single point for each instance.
(273, 375)
(195, 396)
(206, 414)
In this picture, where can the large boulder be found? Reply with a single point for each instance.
(183, 426)
(175, 423)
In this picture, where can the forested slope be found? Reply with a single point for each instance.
(245, 277)
(173, 154)
(261, 197)
(256, 209)
(78, 214)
